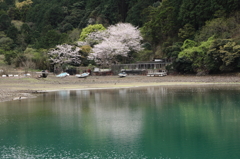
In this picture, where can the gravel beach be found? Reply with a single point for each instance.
(12, 88)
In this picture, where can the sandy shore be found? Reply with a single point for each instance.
(25, 87)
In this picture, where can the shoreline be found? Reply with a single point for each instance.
(27, 87)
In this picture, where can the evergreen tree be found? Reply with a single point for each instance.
(12, 32)
(5, 22)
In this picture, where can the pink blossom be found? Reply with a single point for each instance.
(118, 39)
(65, 54)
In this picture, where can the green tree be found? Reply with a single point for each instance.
(186, 32)
(198, 12)
(54, 16)
(3, 6)
(135, 14)
(2, 12)
(5, 22)
(9, 2)
(173, 50)
(196, 54)
(51, 39)
(14, 13)
(182, 65)
(66, 27)
(195, 12)
(33, 58)
(226, 53)
(26, 33)
(162, 23)
(12, 32)
(89, 29)
(9, 56)
(6, 44)
(23, 8)
(85, 51)
(74, 35)
(221, 28)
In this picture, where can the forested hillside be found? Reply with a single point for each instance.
(199, 36)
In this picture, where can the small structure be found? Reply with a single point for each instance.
(140, 68)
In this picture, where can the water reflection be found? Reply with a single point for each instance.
(153, 122)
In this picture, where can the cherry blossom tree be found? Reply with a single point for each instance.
(127, 34)
(65, 54)
(106, 52)
(121, 39)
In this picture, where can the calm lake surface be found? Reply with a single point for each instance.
(191, 122)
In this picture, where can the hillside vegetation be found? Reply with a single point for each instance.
(198, 36)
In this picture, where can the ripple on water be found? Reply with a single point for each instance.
(3, 121)
(17, 152)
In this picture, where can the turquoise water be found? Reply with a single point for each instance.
(155, 122)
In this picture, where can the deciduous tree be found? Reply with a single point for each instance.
(106, 52)
(65, 54)
(127, 34)
(226, 53)
(90, 29)
(122, 39)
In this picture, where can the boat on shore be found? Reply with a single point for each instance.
(122, 74)
(64, 74)
(157, 74)
(83, 75)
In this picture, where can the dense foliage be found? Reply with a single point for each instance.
(198, 36)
